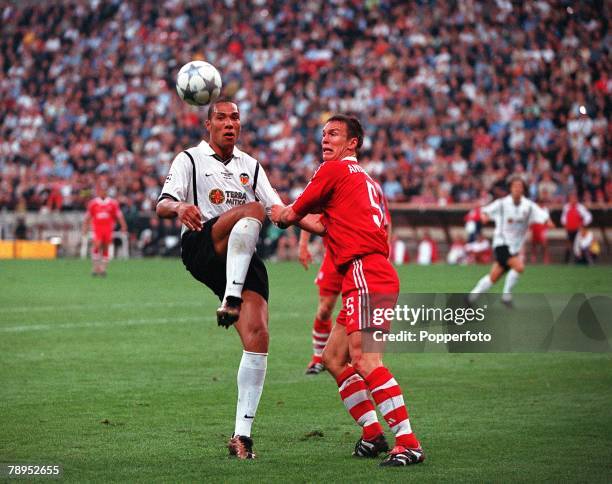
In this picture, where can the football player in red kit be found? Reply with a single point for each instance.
(329, 281)
(102, 213)
(351, 211)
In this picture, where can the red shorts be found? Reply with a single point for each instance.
(538, 233)
(328, 279)
(370, 286)
(103, 235)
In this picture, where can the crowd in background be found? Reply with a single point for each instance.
(453, 95)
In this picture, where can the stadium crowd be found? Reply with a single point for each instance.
(453, 95)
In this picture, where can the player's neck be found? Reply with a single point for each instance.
(350, 155)
(223, 152)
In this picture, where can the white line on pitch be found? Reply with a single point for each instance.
(124, 322)
(29, 309)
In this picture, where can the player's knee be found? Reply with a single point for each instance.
(259, 335)
(332, 362)
(324, 312)
(255, 210)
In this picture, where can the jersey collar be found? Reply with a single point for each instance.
(349, 158)
(206, 148)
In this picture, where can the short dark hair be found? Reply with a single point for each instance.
(211, 107)
(353, 126)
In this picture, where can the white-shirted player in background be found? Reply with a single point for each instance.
(215, 190)
(512, 216)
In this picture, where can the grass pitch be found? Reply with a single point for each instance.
(128, 378)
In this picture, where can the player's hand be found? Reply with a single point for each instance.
(275, 215)
(305, 257)
(191, 216)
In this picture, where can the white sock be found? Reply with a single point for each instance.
(251, 376)
(483, 285)
(240, 249)
(511, 279)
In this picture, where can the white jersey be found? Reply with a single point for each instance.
(512, 221)
(198, 176)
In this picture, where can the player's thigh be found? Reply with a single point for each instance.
(252, 326)
(336, 353)
(516, 263)
(226, 221)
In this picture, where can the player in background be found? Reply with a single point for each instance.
(102, 214)
(512, 215)
(574, 216)
(329, 281)
(357, 241)
(220, 194)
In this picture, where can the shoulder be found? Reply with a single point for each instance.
(245, 158)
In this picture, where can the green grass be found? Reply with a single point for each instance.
(129, 379)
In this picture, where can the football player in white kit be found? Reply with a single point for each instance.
(221, 195)
(512, 215)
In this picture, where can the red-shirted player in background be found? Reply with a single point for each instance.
(329, 281)
(357, 241)
(103, 213)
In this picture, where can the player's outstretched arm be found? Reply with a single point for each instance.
(285, 216)
(187, 213)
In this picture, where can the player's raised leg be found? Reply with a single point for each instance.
(252, 326)
(235, 234)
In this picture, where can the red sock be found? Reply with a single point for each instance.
(320, 335)
(388, 397)
(355, 397)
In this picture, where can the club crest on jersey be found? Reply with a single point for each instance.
(216, 196)
(244, 178)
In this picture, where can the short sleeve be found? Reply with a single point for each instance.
(318, 190)
(538, 214)
(264, 191)
(492, 209)
(178, 180)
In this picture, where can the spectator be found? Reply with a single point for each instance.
(573, 217)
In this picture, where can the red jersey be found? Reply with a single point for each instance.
(352, 207)
(104, 213)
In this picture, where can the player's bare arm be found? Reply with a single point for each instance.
(304, 255)
(284, 216)
(122, 222)
(86, 222)
(187, 213)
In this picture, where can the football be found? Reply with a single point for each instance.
(198, 83)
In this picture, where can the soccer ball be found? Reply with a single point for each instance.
(198, 83)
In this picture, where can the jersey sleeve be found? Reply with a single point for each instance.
(90, 208)
(318, 190)
(492, 209)
(587, 218)
(538, 215)
(178, 180)
(264, 191)
(384, 204)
